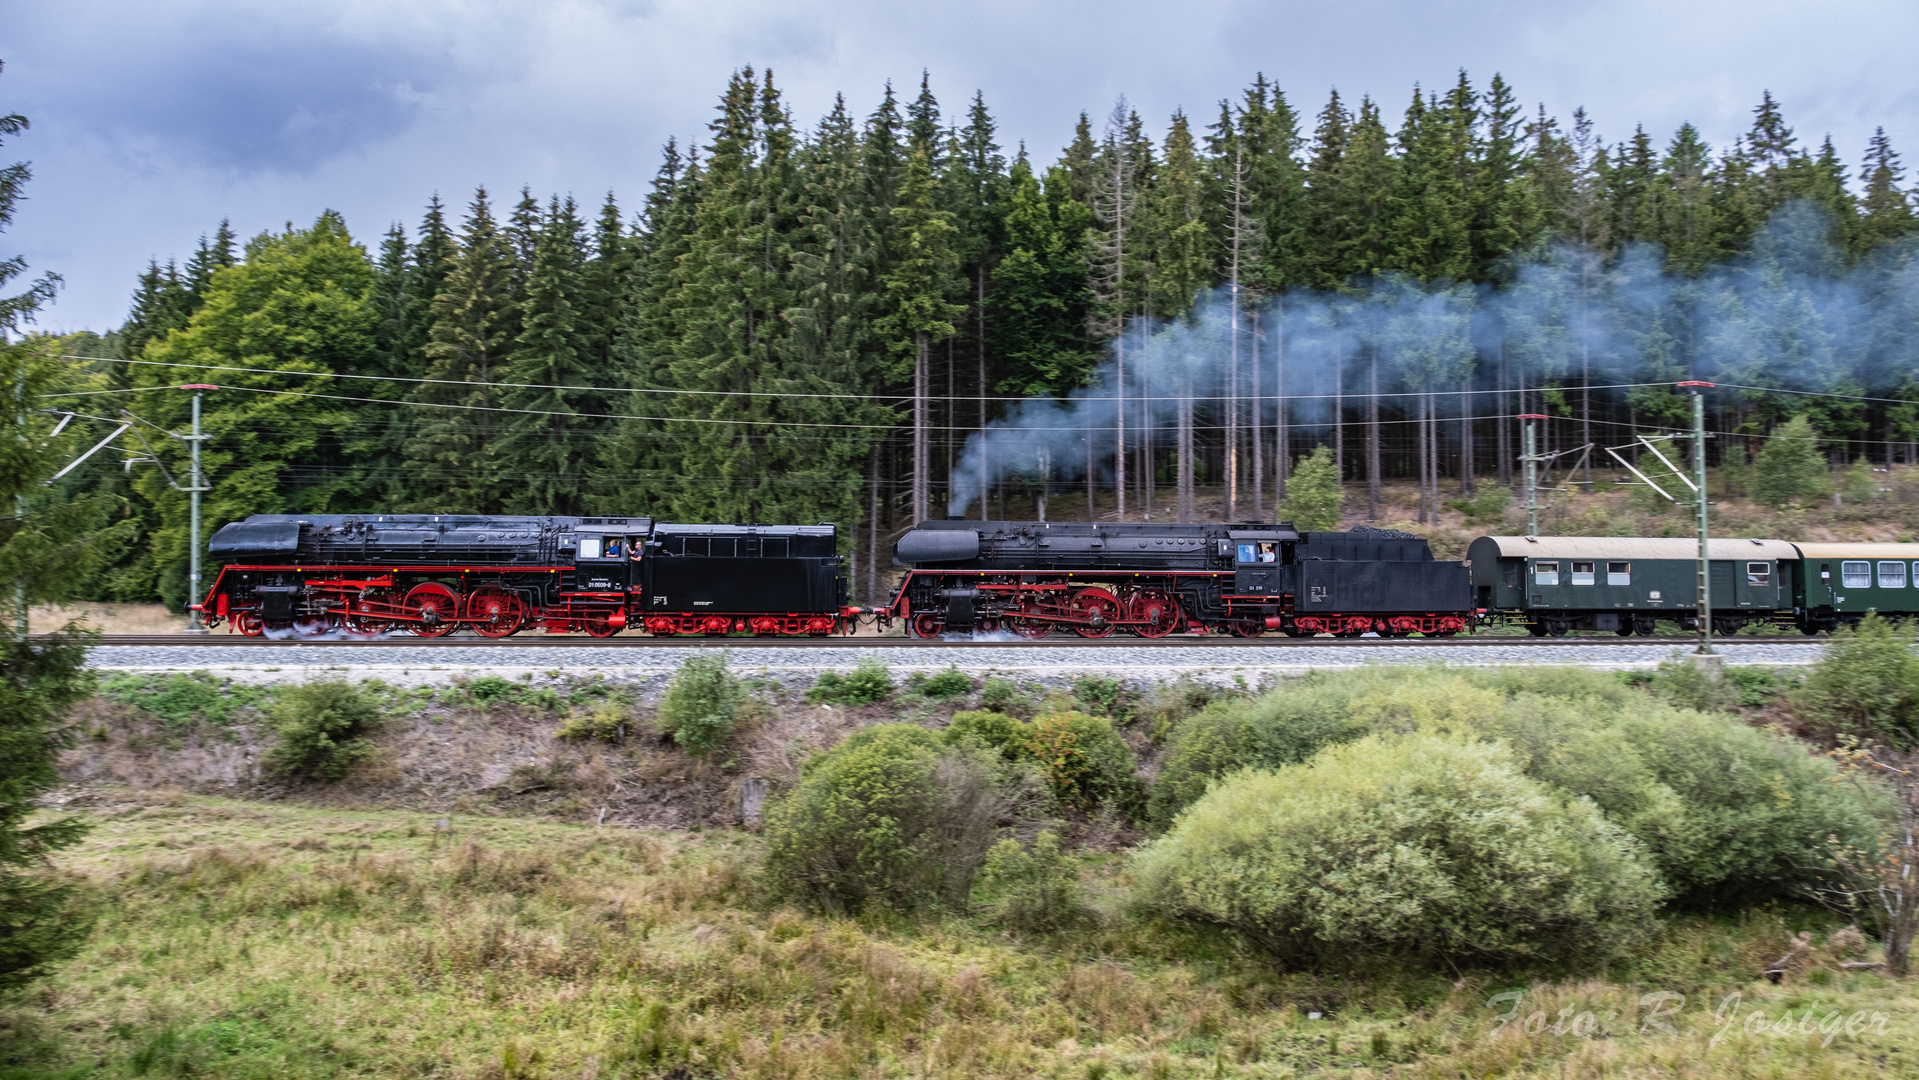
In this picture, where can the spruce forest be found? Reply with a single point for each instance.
(880, 318)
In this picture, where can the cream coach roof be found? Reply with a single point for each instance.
(1642, 547)
(1859, 551)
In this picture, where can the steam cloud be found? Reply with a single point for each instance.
(1789, 315)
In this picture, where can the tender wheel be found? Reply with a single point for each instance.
(599, 624)
(1155, 612)
(250, 624)
(494, 613)
(1101, 610)
(437, 607)
(926, 624)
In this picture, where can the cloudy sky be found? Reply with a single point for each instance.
(153, 120)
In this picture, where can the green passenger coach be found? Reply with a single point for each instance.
(1839, 583)
(1557, 584)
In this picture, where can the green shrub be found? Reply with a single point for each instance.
(1038, 890)
(890, 817)
(1790, 467)
(1003, 696)
(701, 704)
(1315, 498)
(869, 683)
(1084, 761)
(1284, 727)
(488, 689)
(995, 731)
(1723, 810)
(1102, 696)
(322, 728)
(1486, 508)
(1866, 681)
(942, 685)
(180, 698)
(1690, 686)
(606, 722)
(1420, 847)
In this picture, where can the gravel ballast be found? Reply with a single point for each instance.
(1224, 663)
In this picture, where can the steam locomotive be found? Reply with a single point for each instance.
(1093, 579)
(434, 574)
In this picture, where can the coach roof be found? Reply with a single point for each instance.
(1624, 547)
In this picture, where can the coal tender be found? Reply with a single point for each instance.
(1035, 578)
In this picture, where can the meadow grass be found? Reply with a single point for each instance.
(243, 939)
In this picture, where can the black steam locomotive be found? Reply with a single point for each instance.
(434, 574)
(1035, 578)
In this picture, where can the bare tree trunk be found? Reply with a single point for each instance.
(1339, 412)
(1092, 490)
(1419, 439)
(1372, 433)
(873, 523)
(1119, 426)
(1230, 452)
(979, 278)
(1254, 444)
(1466, 483)
(952, 407)
(1505, 432)
(1184, 466)
(1282, 447)
(1146, 477)
(920, 448)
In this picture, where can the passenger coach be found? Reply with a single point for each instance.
(1557, 584)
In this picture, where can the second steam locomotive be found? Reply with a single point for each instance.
(1092, 579)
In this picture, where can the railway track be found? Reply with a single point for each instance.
(746, 643)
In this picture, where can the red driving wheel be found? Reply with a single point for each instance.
(1100, 608)
(437, 607)
(600, 624)
(249, 623)
(494, 612)
(1155, 611)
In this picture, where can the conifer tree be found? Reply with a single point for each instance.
(917, 311)
(1325, 212)
(547, 440)
(1680, 206)
(605, 291)
(1040, 291)
(977, 177)
(1887, 210)
(453, 457)
(1182, 266)
(1121, 247)
(161, 304)
(1789, 467)
(1430, 233)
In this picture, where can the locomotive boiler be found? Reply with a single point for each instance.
(496, 575)
(1035, 578)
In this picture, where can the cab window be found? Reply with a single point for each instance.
(1855, 575)
(1619, 573)
(1247, 553)
(1582, 573)
(1892, 575)
(1546, 573)
(1759, 573)
(589, 547)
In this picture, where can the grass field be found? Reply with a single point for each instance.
(264, 940)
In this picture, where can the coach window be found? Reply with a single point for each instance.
(1759, 573)
(1892, 575)
(1582, 573)
(589, 547)
(1546, 573)
(1619, 573)
(1855, 575)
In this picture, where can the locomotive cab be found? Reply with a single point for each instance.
(1260, 560)
(605, 558)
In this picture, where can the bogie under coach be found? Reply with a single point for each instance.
(434, 574)
(1094, 579)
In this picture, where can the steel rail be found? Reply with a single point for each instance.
(1175, 642)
